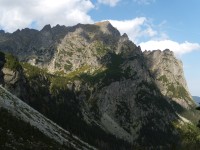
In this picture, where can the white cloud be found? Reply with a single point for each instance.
(141, 29)
(20, 14)
(136, 28)
(177, 48)
(111, 3)
(145, 2)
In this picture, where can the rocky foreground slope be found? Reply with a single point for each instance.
(34, 123)
(98, 84)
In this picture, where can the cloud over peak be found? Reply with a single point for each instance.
(20, 14)
(141, 29)
(177, 48)
(136, 28)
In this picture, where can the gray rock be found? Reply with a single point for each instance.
(168, 73)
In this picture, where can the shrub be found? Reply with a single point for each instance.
(12, 62)
(33, 71)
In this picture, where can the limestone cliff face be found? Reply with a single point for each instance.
(168, 73)
(15, 82)
(85, 46)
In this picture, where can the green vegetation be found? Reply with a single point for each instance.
(57, 65)
(189, 136)
(171, 88)
(80, 49)
(67, 67)
(33, 71)
(69, 53)
(101, 49)
(12, 62)
(163, 78)
(78, 72)
(59, 73)
(107, 75)
(177, 92)
(62, 52)
(181, 92)
(2, 56)
(58, 83)
(35, 74)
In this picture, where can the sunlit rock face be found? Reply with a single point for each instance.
(168, 73)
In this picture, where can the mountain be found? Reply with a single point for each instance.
(100, 86)
(196, 99)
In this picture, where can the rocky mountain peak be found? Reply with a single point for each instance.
(46, 28)
(2, 31)
(158, 53)
(107, 28)
(103, 23)
(167, 51)
(124, 37)
(17, 32)
(169, 76)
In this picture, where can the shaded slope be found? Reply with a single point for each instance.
(25, 113)
(17, 134)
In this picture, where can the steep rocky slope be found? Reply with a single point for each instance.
(17, 134)
(168, 74)
(96, 83)
(36, 125)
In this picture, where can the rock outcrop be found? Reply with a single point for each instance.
(13, 76)
(15, 82)
(168, 73)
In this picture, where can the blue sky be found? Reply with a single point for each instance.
(153, 24)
